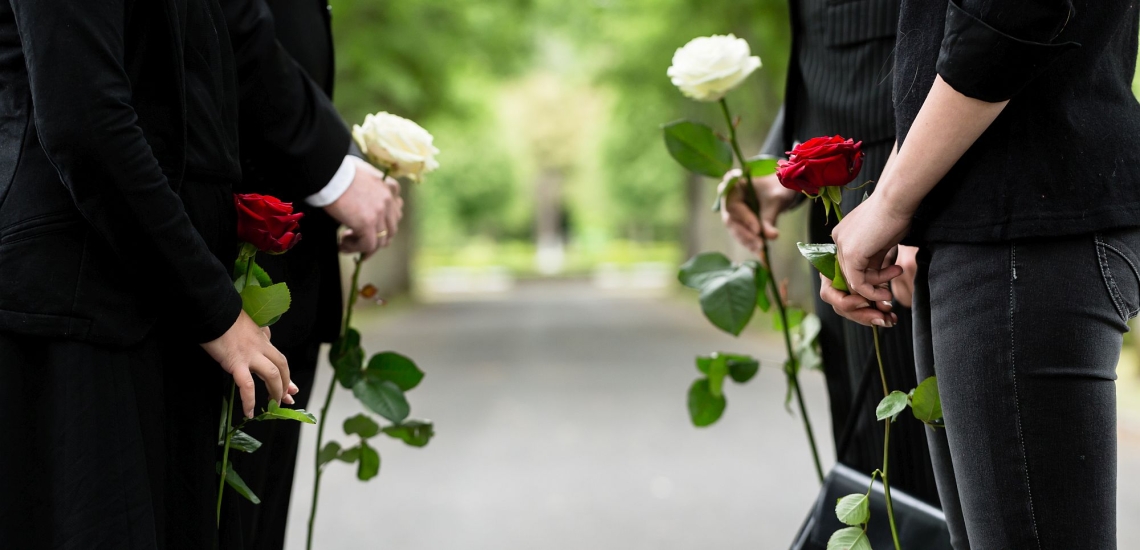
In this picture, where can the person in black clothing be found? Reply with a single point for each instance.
(1017, 173)
(117, 236)
(839, 83)
(296, 147)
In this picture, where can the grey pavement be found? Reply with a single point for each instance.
(561, 425)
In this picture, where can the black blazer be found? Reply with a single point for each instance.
(95, 243)
(292, 142)
(1063, 157)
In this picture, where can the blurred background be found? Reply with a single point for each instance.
(533, 279)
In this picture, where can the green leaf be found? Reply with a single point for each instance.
(264, 304)
(926, 404)
(236, 482)
(416, 433)
(718, 369)
(704, 407)
(274, 412)
(696, 147)
(804, 341)
(762, 276)
(821, 256)
(369, 464)
(396, 368)
(361, 425)
(891, 406)
(849, 538)
(328, 454)
(349, 455)
(244, 442)
(762, 165)
(728, 299)
(835, 194)
(701, 268)
(260, 277)
(347, 358)
(854, 509)
(839, 282)
(742, 367)
(383, 397)
(795, 317)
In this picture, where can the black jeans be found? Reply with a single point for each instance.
(1024, 337)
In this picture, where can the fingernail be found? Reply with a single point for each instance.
(862, 305)
(887, 303)
(249, 414)
(288, 399)
(879, 323)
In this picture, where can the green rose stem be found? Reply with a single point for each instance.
(353, 292)
(886, 444)
(792, 368)
(230, 403)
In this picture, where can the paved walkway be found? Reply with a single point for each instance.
(561, 422)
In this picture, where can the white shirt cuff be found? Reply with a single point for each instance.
(336, 187)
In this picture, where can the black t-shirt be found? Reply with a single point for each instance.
(1063, 158)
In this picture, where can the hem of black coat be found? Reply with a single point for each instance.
(223, 317)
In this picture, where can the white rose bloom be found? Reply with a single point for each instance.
(708, 67)
(398, 144)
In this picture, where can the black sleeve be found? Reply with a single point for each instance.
(776, 144)
(991, 49)
(89, 131)
(288, 125)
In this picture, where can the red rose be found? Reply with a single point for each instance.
(821, 162)
(266, 222)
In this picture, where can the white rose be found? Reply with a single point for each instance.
(397, 144)
(708, 67)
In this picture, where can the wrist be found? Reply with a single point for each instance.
(894, 197)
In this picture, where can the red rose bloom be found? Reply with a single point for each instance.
(821, 162)
(266, 222)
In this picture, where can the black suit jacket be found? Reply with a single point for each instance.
(292, 142)
(95, 243)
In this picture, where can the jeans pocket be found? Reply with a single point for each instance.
(1116, 252)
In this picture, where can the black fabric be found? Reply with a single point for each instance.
(94, 148)
(1028, 458)
(292, 141)
(1061, 158)
(838, 73)
(269, 471)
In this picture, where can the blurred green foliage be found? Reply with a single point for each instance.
(516, 90)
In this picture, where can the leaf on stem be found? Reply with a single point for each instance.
(926, 404)
(329, 453)
(728, 299)
(369, 464)
(237, 483)
(762, 276)
(704, 407)
(349, 455)
(416, 433)
(795, 317)
(702, 267)
(854, 509)
(260, 277)
(243, 442)
(275, 412)
(821, 256)
(361, 425)
(347, 358)
(265, 304)
(696, 147)
(761, 165)
(382, 397)
(891, 406)
(849, 538)
(396, 368)
(741, 368)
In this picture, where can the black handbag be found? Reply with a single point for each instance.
(920, 525)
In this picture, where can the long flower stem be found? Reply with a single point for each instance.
(352, 295)
(225, 454)
(792, 370)
(886, 444)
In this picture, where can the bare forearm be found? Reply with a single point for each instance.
(946, 126)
